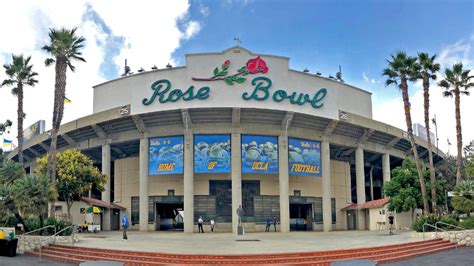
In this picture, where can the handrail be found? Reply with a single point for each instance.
(39, 229)
(452, 225)
(433, 226)
(55, 234)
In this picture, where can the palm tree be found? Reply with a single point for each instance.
(32, 195)
(19, 73)
(64, 47)
(457, 82)
(398, 73)
(425, 70)
(463, 199)
(10, 172)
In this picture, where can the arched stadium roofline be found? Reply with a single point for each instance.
(123, 131)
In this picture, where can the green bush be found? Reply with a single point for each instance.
(433, 219)
(60, 225)
(467, 223)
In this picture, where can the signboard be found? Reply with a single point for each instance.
(420, 131)
(165, 155)
(259, 154)
(34, 130)
(304, 157)
(212, 153)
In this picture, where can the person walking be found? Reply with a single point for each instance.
(200, 222)
(390, 221)
(124, 227)
(213, 224)
(275, 223)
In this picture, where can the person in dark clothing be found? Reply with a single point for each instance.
(275, 223)
(124, 227)
(267, 225)
(390, 221)
(200, 222)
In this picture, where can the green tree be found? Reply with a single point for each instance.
(457, 81)
(32, 195)
(463, 199)
(404, 188)
(10, 172)
(20, 73)
(426, 70)
(398, 72)
(76, 176)
(65, 48)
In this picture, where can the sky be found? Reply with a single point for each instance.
(359, 36)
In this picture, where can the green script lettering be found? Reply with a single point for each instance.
(162, 89)
(260, 87)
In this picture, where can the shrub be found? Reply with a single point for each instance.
(467, 223)
(60, 225)
(433, 219)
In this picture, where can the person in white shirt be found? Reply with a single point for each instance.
(200, 222)
(213, 224)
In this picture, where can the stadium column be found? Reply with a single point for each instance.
(106, 192)
(360, 185)
(326, 185)
(236, 178)
(188, 183)
(143, 179)
(284, 181)
(386, 167)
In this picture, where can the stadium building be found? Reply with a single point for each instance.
(234, 128)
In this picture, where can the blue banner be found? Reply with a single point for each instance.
(304, 157)
(165, 155)
(259, 154)
(212, 153)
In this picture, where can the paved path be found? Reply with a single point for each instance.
(227, 243)
(454, 257)
(29, 260)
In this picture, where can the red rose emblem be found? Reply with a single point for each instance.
(257, 65)
(227, 62)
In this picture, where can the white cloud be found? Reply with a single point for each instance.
(149, 28)
(391, 112)
(204, 10)
(366, 78)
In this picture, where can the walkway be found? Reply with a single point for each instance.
(227, 243)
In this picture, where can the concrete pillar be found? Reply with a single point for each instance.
(326, 185)
(360, 185)
(106, 193)
(143, 180)
(236, 178)
(386, 167)
(284, 181)
(188, 184)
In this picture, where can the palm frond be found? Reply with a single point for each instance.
(447, 94)
(49, 61)
(444, 84)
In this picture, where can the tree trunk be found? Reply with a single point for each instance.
(69, 205)
(12, 207)
(426, 95)
(41, 219)
(20, 122)
(59, 94)
(406, 101)
(457, 103)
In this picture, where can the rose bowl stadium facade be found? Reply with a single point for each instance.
(233, 129)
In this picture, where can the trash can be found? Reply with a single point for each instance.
(8, 247)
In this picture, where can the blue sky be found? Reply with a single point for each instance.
(321, 35)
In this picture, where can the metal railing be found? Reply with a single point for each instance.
(439, 228)
(39, 229)
(72, 227)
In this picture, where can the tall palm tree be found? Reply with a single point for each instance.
(398, 72)
(64, 47)
(425, 70)
(457, 82)
(20, 73)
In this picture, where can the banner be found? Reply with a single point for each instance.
(165, 155)
(259, 154)
(33, 130)
(304, 157)
(212, 153)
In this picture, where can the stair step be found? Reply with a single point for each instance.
(272, 255)
(381, 254)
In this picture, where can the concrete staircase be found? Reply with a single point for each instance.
(379, 255)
